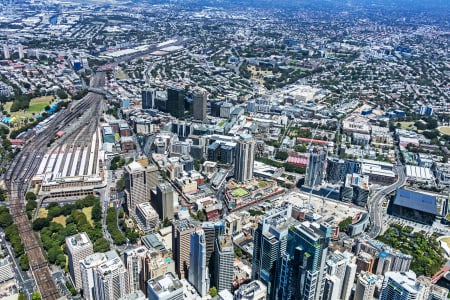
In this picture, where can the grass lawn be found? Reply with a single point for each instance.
(42, 213)
(446, 240)
(87, 211)
(405, 125)
(239, 192)
(444, 129)
(37, 106)
(60, 220)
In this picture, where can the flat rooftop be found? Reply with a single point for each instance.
(417, 201)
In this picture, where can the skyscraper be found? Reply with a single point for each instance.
(341, 265)
(79, 247)
(245, 152)
(270, 240)
(181, 245)
(139, 180)
(365, 286)
(303, 265)
(212, 231)
(87, 269)
(198, 270)
(316, 168)
(134, 260)
(224, 257)
(6, 51)
(148, 98)
(21, 53)
(111, 279)
(176, 102)
(163, 203)
(199, 99)
(401, 286)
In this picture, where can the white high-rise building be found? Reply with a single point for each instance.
(6, 51)
(79, 247)
(365, 286)
(198, 271)
(244, 162)
(87, 269)
(400, 285)
(21, 53)
(111, 279)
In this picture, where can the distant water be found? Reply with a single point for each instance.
(53, 20)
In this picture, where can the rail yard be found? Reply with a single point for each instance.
(25, 166)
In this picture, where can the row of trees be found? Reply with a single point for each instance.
(12, 235)
(111, 224)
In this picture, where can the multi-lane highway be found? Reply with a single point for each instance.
(375, 203)
(22, 169)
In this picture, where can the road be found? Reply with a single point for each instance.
(375, 203)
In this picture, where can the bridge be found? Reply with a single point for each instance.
(100, 91)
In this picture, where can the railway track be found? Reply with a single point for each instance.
(22, 169)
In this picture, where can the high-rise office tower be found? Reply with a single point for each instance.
(303, 265)
(148, 98)
(332, 287)
(365, 286)
(79, 247)
(134, 260)
(224, 257)
(87, 269)
(198, 270)
(316, 168)
(6, 51)
(400, 286)
(199, 99)
(181, 245)
(21, 53)
(245, 153)
(111, 279)
(270, 240)
(341, 265)
(163, 203)
(212, 231)
(176, 102)
(165, 287)
(139, 180)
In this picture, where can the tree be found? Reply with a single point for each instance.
(201, 216)
(40, 223)
(36, 296)
(5, 219)
(96, 213)
(281, 155)
(343, 225)
(61, 94)
(120, 184)
(31, 204)
(101, 245)
(213, 291)
(23, 261)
